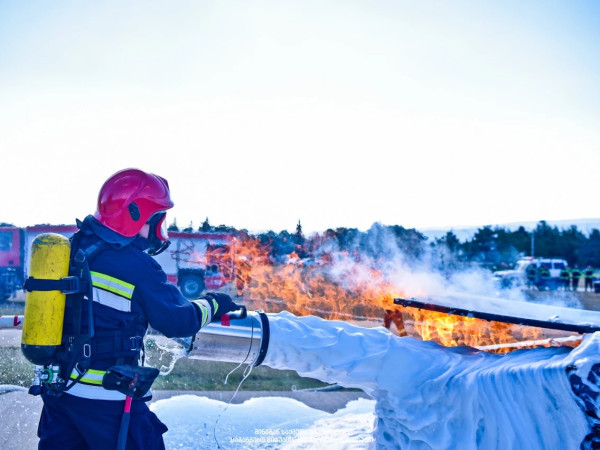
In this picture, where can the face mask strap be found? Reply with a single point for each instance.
(154, 250)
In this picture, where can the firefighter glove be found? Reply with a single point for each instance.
(220, 304)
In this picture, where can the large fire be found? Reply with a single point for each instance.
(343, 286)
(498, 337)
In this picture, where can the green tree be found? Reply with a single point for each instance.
(450, 240)
(173, 226)
(482, 248)
(521, 240)
(224, 229)
(299, 239)
(299, 233)
(569, 244)
(205, 227)
(546, 239)
(410, 241)
(347, 238)
(589, 250)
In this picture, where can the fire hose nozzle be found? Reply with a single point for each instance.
(242, 338)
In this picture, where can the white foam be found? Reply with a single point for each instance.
(429, 396)
(268, 422)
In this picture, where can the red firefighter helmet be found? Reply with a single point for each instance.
(129, 198)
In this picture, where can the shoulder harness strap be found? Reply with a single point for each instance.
(76, 346)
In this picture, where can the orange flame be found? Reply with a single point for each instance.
(338, 285)
(497, 337)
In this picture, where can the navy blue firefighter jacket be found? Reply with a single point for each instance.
(130, 292)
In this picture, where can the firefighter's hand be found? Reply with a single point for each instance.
(220, 304)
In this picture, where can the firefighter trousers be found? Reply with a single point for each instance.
(70, 422)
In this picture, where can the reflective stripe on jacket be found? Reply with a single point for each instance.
(112, 292)
(90, 386)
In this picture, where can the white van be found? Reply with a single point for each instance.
(518, 276)
(554, 265)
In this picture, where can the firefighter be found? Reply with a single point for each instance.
(531, 275)
(575, 276)
(565, 277)
(588, 275)
(544, 279)
(130, 292)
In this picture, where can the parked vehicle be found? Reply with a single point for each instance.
(518, 276)
(11, 260)
(194, 261)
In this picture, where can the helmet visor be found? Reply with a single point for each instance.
(158, 238)
(160, 229)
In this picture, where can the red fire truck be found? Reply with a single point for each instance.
(194, 261)
(199, 261)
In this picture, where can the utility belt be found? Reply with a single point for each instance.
(93, 385)
(115, 383)
(89, 385)
(114, 348)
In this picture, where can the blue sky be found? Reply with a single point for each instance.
(334, 113)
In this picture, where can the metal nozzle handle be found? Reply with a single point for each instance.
(241, 313)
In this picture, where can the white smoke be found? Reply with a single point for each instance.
(429, 271)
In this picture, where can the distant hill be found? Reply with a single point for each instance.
(466, 233)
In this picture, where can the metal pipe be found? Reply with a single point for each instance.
(242, 338)
(14, 322)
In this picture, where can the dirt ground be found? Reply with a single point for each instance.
(588, 300)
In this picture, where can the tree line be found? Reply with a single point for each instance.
(499, 246)
(493, 247)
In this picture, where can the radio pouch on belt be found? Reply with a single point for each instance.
(133, 381)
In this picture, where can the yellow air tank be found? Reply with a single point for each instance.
(45, 310)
